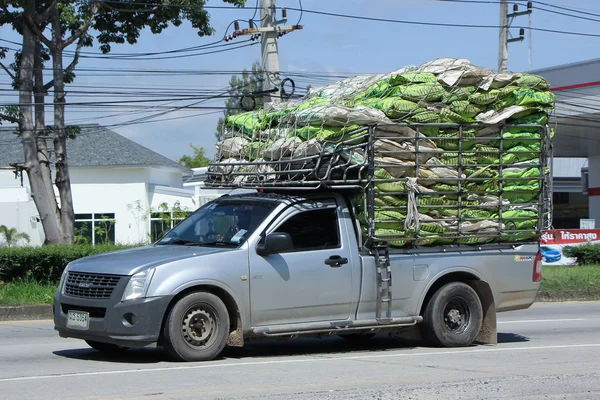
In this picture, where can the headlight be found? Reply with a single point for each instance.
(63, 278)
(138, 285)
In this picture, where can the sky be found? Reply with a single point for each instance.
(325, 50)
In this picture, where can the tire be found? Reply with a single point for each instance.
(453, 316)
(197, 328)
(358, 337)
(106, 348)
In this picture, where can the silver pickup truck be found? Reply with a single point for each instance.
(264, 265)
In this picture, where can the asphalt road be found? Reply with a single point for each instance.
(551, 351)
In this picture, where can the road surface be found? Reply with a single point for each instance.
(550, 351)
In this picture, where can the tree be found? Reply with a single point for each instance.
(197, 160)
(12, 236)
(115, 22)
(248, 86)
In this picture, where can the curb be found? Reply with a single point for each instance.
(25, 313)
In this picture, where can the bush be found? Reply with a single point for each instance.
(45, 264)
(586, 254)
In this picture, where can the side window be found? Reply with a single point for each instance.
(313, 230)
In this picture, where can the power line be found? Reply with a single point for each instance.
(450, 25)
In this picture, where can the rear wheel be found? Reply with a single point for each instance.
(197, 327)
(106, 348)
(453, 315)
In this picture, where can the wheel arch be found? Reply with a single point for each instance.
(233, 309)
(488, 332)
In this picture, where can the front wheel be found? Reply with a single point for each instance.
(197, 327)
(453, 315)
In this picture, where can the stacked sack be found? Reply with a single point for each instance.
(436, 182)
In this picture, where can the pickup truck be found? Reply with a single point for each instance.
(264, 265)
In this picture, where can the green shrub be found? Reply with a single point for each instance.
(45, 264)
(586, 254)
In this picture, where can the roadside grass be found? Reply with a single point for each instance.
(563, 283)
(559, 283)
(26, 292)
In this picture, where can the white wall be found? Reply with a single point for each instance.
(128, 192)
(18, 211)
(128, 201)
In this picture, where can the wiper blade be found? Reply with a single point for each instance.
(180, 242)
(218, 242)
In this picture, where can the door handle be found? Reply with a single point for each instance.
(336, 261)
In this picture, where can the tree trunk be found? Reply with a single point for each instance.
(62, 181)
(39, 94)
(41, 191)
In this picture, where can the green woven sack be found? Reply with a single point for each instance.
(254, 150)
(428, 92)
(514, 138)
(484, 98)
(532, 81)
(538, 118)
(526, 97)
(378, 90)
(388, 200)
(521, 194)
(518, 219)
(451, 158)
(447, 115)
(465, 108)
(313, 102)
(488, 171)
(520, 173)
(425, 117)
(475, 213)
(413, 77)
(249, 122)
(393, 107)
(388, 187)
(458, 94)
(449, 139)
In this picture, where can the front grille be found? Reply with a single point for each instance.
(95, 312)
(91, 286)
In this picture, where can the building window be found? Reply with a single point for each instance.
(164, 220)
(568, 209)
(95, 228)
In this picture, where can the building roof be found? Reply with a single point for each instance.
(94, 146)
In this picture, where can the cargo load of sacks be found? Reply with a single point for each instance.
(451, 166)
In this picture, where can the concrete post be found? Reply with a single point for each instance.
(594, 188)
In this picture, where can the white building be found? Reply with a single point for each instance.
(120, 189)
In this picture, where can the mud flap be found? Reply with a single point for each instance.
(236, 337)
(489, 328)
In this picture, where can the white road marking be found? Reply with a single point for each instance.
(301, 360)
(529, 321)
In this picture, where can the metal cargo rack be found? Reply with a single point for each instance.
(365, 161)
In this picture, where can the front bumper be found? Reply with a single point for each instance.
(132, 323)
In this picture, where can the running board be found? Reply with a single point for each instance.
(341, 326)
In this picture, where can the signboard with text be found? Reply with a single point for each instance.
(553, 243)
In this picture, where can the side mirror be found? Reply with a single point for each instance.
(274, 243)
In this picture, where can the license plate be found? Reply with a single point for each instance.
(78, 320)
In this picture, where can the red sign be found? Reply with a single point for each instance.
(566, 236)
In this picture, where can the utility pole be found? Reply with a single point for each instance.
(269, 31)
(503, 43)
(504, 40)
(269, 51)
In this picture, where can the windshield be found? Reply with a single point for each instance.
(224, 222)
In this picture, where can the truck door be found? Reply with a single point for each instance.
(298, 286)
